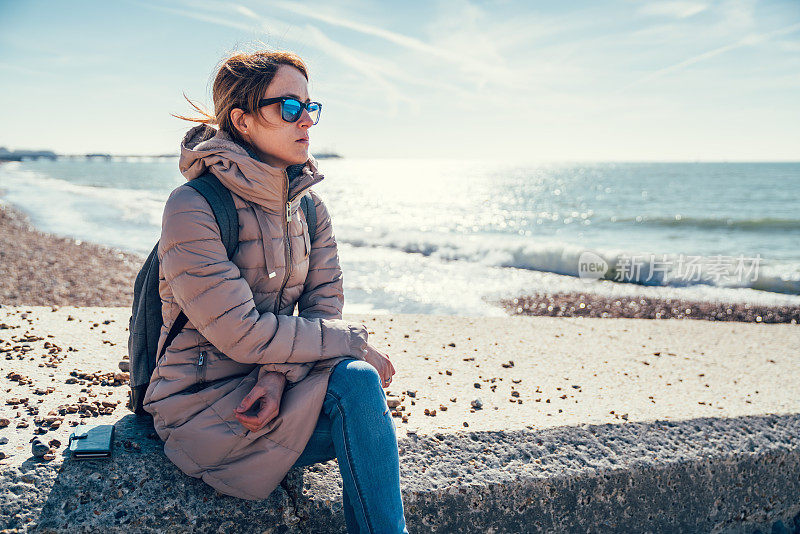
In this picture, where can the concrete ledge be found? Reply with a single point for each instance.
(703, 475)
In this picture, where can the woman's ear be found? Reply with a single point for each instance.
(239, 120)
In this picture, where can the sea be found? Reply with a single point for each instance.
(436, 236)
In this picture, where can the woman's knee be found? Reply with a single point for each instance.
(355, 375)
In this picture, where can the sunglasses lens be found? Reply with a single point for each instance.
(291, 110)
(314, 110)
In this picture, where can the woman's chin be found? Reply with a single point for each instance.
(302, 154)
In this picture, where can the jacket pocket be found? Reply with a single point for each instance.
(224, 406)
(304, 232)
(202, 365)
(306, 241)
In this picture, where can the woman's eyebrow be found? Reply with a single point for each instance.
(298, 97)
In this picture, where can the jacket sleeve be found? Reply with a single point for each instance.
(294, 372)
(219, 302)
(323, 294)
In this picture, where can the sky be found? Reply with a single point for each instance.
(616, 80)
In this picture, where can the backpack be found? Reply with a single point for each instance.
(146, 319)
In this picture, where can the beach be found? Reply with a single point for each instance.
(477, 401)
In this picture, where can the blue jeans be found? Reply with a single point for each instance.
(355, 427)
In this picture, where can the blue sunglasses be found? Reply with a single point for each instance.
(291, 108)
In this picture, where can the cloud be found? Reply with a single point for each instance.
(368, 67)
(194, 14)
(399, 39)
(26, 70)
(679, 10)
(749, 40)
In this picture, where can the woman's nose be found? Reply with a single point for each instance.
(305, 119)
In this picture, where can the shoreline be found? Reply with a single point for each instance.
(90, 274)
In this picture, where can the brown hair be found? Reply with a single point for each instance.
(240, 82)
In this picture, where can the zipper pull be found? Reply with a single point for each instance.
(288, 211)
(201, 360)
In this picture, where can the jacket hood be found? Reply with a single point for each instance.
(205, 148)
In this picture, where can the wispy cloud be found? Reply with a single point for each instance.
(453, 57)
(749, 40)
(25, 70)
(361, 63)
(371, 68)
(679, 10)
(194, 14)
(368, 66)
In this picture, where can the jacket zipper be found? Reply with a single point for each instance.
(287, 243)
(201, 364)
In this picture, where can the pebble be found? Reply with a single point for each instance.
(477, 404)
(592, 305)
(39, 448)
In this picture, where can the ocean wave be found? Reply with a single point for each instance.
(765, 224)
(647, 269)
(125, 218)
(30, 189)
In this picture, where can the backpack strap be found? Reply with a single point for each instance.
(307, 203)
(221, 201)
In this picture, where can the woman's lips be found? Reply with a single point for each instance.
(304, 141)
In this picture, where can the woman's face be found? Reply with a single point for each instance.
(277, 142)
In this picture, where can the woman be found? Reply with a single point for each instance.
(248, 390)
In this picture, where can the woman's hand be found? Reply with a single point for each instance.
(269, 390)
(381, 363)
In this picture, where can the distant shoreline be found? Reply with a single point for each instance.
(30, 155)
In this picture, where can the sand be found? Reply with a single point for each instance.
(527, 372)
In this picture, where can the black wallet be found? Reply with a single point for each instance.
(91, 441)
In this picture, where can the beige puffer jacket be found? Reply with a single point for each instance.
(241, 321)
